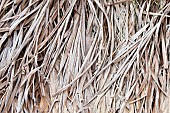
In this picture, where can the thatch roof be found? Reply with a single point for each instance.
(89, 56)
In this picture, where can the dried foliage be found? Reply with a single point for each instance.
(89, 56)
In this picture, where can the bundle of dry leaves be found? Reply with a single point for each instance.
(88, 56)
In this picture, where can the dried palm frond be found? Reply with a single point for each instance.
(94, 56)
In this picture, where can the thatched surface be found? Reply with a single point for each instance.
(89, 56)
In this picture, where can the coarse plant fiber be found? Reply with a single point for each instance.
(84, 56)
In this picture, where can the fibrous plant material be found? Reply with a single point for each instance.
(89, 56)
